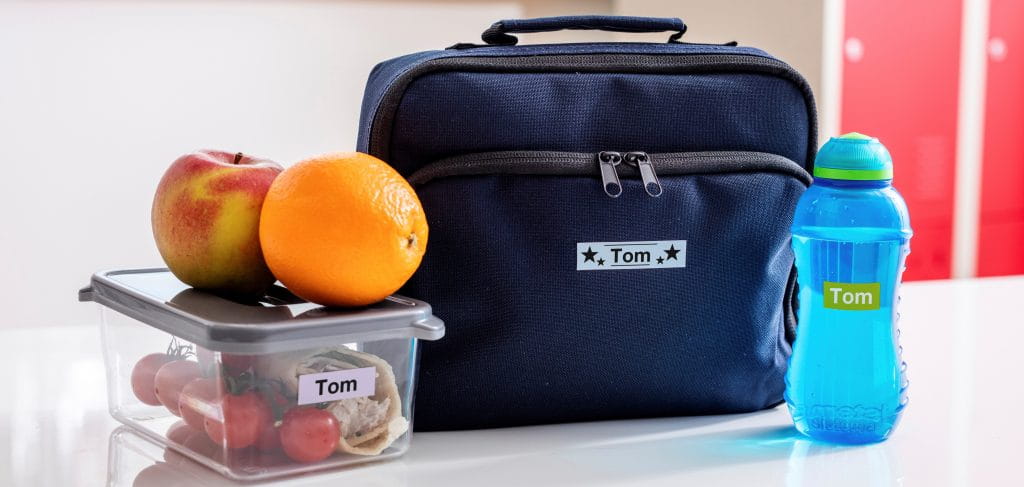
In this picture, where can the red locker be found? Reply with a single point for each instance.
(1001, 223)
(900, 84)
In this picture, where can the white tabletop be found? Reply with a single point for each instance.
(963, 343)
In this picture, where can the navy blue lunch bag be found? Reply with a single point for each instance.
(609, 222)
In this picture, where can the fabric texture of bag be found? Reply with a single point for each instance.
(609, 222)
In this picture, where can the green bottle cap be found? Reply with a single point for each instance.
(855, 157)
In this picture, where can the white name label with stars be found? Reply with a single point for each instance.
(661, 254)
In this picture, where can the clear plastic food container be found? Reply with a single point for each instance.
(260, 390)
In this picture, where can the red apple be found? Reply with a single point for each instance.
(206, 221)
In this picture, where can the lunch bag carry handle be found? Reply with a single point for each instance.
(498, 34)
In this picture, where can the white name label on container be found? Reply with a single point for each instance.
(340, 384)
(601, 256)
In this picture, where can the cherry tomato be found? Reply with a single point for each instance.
(179, 432)
(161, 474)
(197, 401)
(277, 401)
(269, 439)
(309, 434)
(171, 379)
(232, 364)
(144, 375)
(244, 417)
(197, 441)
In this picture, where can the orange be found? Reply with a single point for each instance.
(342, 229)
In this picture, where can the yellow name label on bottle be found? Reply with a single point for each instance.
(860, 296)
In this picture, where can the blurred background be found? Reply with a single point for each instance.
(98, 97)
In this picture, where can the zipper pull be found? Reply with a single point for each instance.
(642, 162)
(609, 175)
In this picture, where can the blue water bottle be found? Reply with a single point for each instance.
(851, 233)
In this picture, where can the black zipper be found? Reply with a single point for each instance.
(382, 120)
(608, 165)
(642, 162)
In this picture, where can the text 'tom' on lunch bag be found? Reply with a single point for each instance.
(608, 221)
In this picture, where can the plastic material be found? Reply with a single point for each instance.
(853, 157)
(183, 366)
(845, 381)
(156, 297)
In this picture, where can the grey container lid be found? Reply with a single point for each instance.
(278, 322)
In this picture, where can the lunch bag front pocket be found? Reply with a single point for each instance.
(608, 285)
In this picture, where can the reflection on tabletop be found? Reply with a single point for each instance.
(581, 454)
(962, 426)
(135, 461)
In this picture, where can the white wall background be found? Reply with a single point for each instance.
(790, 30)
(98, 97)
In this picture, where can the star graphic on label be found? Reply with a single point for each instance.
(589, 255)
(661, 260)
(600, 261)
(671, 252)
